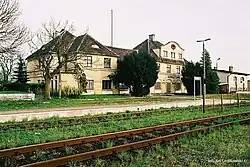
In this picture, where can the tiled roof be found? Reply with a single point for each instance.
(51, 46)
(152, 45)
(85, 43)
(121, 51)
(80, 44)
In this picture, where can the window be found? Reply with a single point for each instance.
(38, 81)
(42, 81)
(106, 84)
(88, 60)
(177, 86)
(241, 79)
(157, 85)
(180, 56)
(172, 55)
(178, 69)
(168, 68)
(90, 85)
(235, 79)
(165, 53)
(107, 62)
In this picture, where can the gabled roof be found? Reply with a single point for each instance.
(87, 44)
(121, 51)
(80, 44)
(152, 45)
(175, 43)
(238, 73)
(51, 46)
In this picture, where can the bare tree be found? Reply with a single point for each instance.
(52, 53)
(12, 33)
(12, 36)
(7, 63)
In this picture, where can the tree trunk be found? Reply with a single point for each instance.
(47, 88)
(60, 85)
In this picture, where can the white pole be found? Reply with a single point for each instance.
(194, 88)
(112, 31)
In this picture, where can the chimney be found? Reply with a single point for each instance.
(152, 37)
(230, 69)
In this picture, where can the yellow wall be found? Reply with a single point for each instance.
(165, 77)
(98, 73)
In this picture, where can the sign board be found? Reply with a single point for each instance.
(197, 79)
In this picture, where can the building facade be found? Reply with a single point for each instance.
(231, 81)
(170, 59)
(98, 61)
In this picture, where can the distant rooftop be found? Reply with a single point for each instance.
(232, 72)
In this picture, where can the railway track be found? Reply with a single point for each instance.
(73, 121)
(92, 146)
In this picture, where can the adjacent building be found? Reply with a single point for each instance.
(231, 81)
(170, 58)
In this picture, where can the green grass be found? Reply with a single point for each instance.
(84, 101)
(217, 148)
(10, 138)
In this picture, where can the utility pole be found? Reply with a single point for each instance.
(204, 73)
(112, 31)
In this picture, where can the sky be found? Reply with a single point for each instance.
(226, 22)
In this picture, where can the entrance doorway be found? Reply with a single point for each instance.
(168, 87)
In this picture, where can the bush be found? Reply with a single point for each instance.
(15, 87)
(71, 92)
(37, 88)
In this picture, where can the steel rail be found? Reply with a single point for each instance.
(86, 120)
(101, 137)
(126, 147)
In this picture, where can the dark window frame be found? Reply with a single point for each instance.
(88, 87)
(168, 69)
(172, 54)
(158, 85)
(165, 53)
(88, 60)
(107, 62)
(178, 69)
(106, 84)
(180, 55)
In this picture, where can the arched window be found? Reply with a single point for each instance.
(241, 79)
(235, 79)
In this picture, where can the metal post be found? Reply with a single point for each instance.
(221, 102)
(204, 72)
(204, 77)
(112, 31)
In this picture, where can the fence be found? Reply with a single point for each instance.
(236, 100)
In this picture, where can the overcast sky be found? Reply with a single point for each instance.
(226, 22)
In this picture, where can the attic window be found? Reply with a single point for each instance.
(95, 46)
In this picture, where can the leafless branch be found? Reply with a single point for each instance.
(12, 33)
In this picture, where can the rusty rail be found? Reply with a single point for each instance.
(82, 140)
(126, 147)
